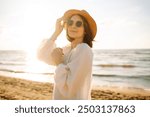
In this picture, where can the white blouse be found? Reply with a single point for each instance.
(73, 77)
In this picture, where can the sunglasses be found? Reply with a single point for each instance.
(77, 23)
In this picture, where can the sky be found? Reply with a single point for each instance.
(121, 24)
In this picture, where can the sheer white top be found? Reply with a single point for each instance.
(73, 77)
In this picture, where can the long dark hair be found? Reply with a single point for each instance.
(88, 38)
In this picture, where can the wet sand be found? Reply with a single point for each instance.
(19, 89)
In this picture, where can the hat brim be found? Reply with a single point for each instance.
(86, 15)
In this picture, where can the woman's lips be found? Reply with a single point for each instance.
(74, 31)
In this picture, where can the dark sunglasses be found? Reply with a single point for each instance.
(77, 23)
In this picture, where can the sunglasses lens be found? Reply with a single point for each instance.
(78, 23)
(70, 22)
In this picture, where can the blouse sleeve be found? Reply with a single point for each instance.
(44, 51)
(70, 78)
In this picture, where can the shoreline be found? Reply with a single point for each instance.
(20, 89)
(49, 79)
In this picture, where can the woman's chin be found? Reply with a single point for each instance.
(72, 36)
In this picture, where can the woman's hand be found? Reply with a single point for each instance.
(57, 56)
(59, 26)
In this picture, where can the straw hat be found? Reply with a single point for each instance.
(86, 15)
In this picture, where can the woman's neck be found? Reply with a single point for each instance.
(75, 42)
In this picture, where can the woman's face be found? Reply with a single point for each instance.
(75, 27)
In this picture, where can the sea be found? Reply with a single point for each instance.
(128, 68)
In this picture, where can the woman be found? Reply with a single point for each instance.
(73, 74)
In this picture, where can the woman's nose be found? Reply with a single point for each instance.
(73, 25)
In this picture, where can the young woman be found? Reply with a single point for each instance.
(73, 75)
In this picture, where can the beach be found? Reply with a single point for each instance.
(20, 89)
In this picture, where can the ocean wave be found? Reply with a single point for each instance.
(115, 65)
(12, 63)
(17, 71)
(145, 77)
(105, 75)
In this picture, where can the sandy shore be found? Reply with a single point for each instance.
(19, 89)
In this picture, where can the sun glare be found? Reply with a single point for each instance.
(36, 66)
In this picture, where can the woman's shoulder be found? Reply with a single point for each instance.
(84, 47)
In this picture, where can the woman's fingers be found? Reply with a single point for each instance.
(57, 55)
(58, 50)
(59, 25)
(61, 20)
